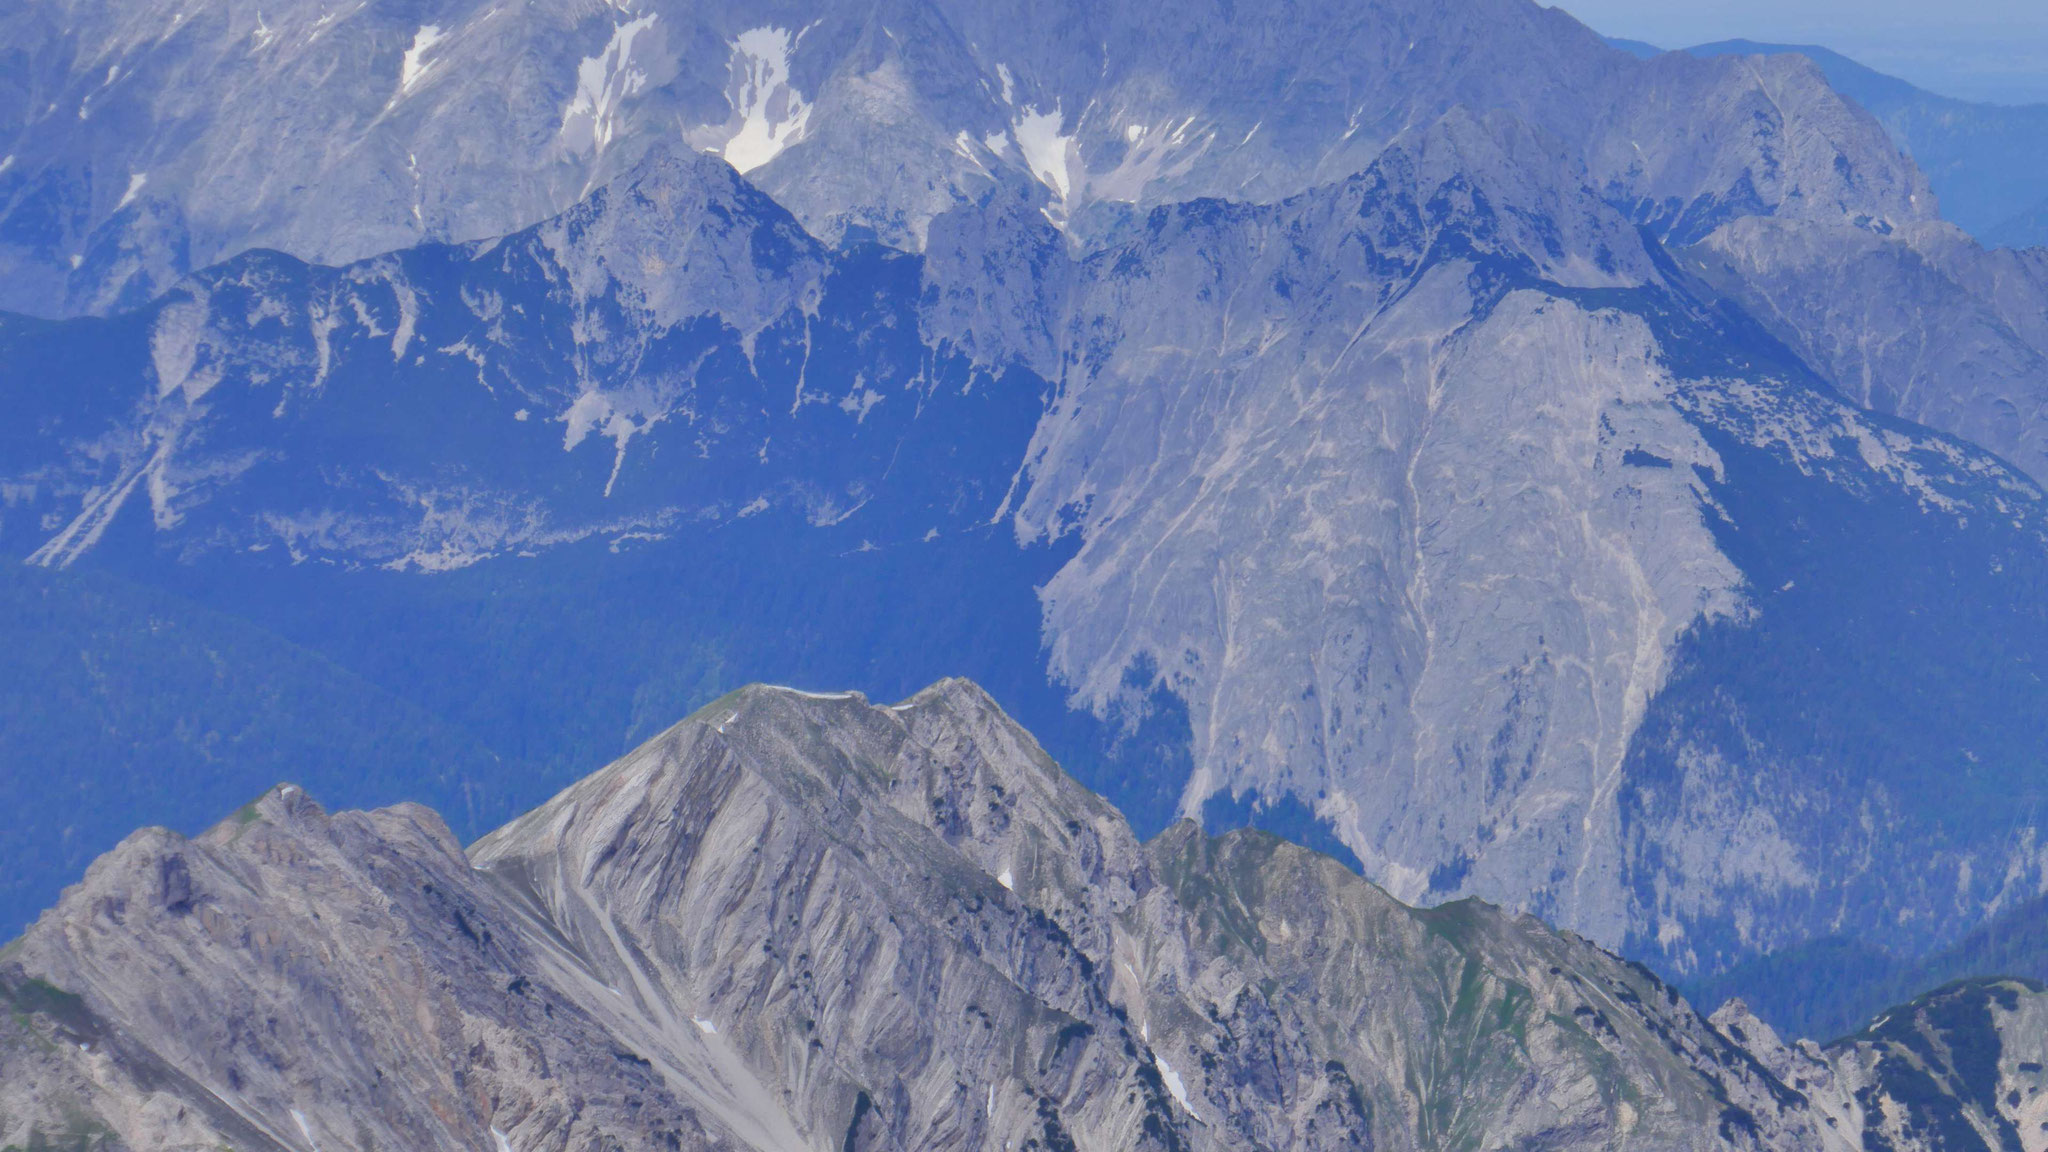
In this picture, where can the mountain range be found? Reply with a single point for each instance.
(802, 921)
(155, 138)
(1604, 487)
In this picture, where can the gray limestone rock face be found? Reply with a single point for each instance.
(1410, 488)
(1959, 1067)
(1984, 160)
(152, 139)
(800, 921)
(298, 980)
(1920, 323)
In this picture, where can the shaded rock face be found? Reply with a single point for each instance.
(674, 351)
(799, 921)
(1920, 323)
(1959, 1067)
(157, 138)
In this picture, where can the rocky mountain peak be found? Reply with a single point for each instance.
(680, 235)
(800, 919)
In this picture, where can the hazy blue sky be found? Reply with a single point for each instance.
(1976, 49)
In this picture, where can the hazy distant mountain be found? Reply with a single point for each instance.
(153, 138)
(797, 921)
(1988, 163)
(1834, 986)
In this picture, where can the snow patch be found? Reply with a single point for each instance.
(412, 168)
(1174, 1085)
(414, 68)
(963, 143)
(499, 1141)
(135, 183)
(7, 162)
(998, 143)
(595, 411)
(771, 112)
(1046, 152)
(703, 1025)
(1006, 880)
(603, 82)
(815, 695)
(1161, 150)
(299, 1118)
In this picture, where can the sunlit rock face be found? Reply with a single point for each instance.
(155, 138)
(1461, 475)
(800, 920)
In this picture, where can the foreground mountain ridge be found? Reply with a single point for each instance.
(801, 921)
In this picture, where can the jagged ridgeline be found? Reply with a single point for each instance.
(1601, 486)
(800, 921)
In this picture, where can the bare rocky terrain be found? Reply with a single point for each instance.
(153, 138)
(1604, 487)
(799, 921)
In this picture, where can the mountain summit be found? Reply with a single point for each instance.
(802, 921)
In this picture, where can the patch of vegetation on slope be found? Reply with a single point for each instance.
(122, 706)
(1834, 986)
